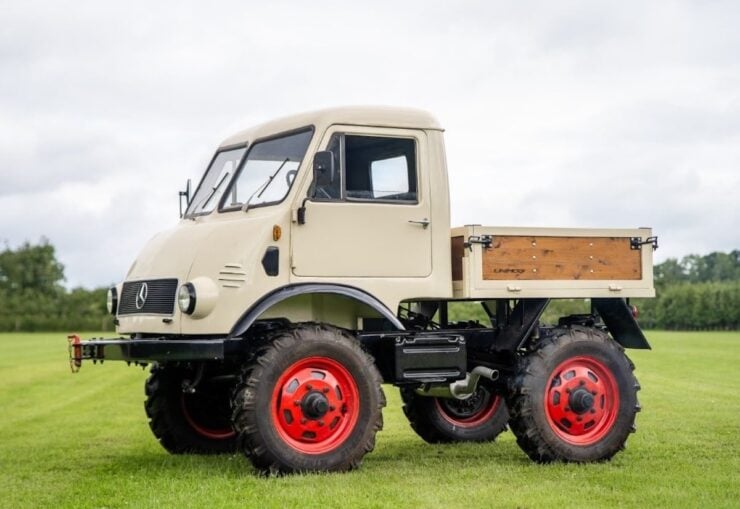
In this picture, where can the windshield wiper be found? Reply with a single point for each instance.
(213, 191)
(263, 187)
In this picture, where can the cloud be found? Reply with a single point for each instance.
(557, 114)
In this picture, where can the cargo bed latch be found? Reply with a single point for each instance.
(637, 242)
(485, 240)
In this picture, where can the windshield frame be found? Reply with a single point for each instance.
(308, 128)
(236, 146)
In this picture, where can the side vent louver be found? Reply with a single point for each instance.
(232, 275)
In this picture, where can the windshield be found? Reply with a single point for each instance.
(269, 170)
(217, 177)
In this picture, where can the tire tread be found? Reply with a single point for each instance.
(528, 435)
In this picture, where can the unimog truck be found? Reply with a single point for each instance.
(315, 262)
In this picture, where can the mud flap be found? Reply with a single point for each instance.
(618, 318)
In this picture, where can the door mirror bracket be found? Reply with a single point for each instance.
(324, 174)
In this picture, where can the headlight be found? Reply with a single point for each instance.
(112, 300)
(186, 298)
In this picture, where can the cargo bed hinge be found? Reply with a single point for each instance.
(485, 240)
(637, 242)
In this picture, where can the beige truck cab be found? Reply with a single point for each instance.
(316, 260)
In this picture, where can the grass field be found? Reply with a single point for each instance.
(83, 441)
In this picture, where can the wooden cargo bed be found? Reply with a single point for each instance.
(496, 262)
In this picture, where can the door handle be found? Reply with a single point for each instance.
(424, 223)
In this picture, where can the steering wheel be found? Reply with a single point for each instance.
(290, 177)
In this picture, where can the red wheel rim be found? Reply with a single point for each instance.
(315, 405)
(471, 412)
(581, 400)
(202, 423)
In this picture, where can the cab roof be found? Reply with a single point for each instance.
(371, 116)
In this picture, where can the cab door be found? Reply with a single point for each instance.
(374, 219)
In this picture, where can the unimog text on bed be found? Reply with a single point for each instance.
(315, 261)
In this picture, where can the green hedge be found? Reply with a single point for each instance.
(56, 310)
(694, 293)
(684, 306)
(697, 306)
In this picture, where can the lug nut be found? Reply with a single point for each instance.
(309, 387)
(567, 409)
(332, 408)
(593, 410)
(304, 421)
(579, 418)
(325, 390)
(581, 383)
(321, 423)
(593, 392)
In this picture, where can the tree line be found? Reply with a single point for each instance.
(33, 298)
(693, 293)
(683, 306)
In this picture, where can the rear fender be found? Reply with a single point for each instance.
(617, 317)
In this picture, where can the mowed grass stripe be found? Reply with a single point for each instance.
(83, 441)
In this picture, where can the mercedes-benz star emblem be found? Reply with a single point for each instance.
(141, 296)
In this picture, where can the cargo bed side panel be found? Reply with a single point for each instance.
(551, 262)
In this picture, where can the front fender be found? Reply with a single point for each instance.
(286, 292)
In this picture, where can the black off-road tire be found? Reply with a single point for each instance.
(481, 418)
(197, 423)
(573, 397)
(278, 405)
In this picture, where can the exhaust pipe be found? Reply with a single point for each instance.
(461, 389)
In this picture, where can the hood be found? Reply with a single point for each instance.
(221, 253)
(169, 253)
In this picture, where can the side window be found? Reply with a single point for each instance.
(371, 168)
(377, 168)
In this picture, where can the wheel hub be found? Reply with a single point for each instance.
(315, 405)
(470, 412)
(207, 412)
(582, 400)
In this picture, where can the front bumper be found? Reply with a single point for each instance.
(152, 350)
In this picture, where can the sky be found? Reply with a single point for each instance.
(568, 113)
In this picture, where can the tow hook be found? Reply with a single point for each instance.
(75, 352)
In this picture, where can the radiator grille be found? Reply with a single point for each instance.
(154, 296)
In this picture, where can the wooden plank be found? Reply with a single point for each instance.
(561, 258)
(458, 251)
